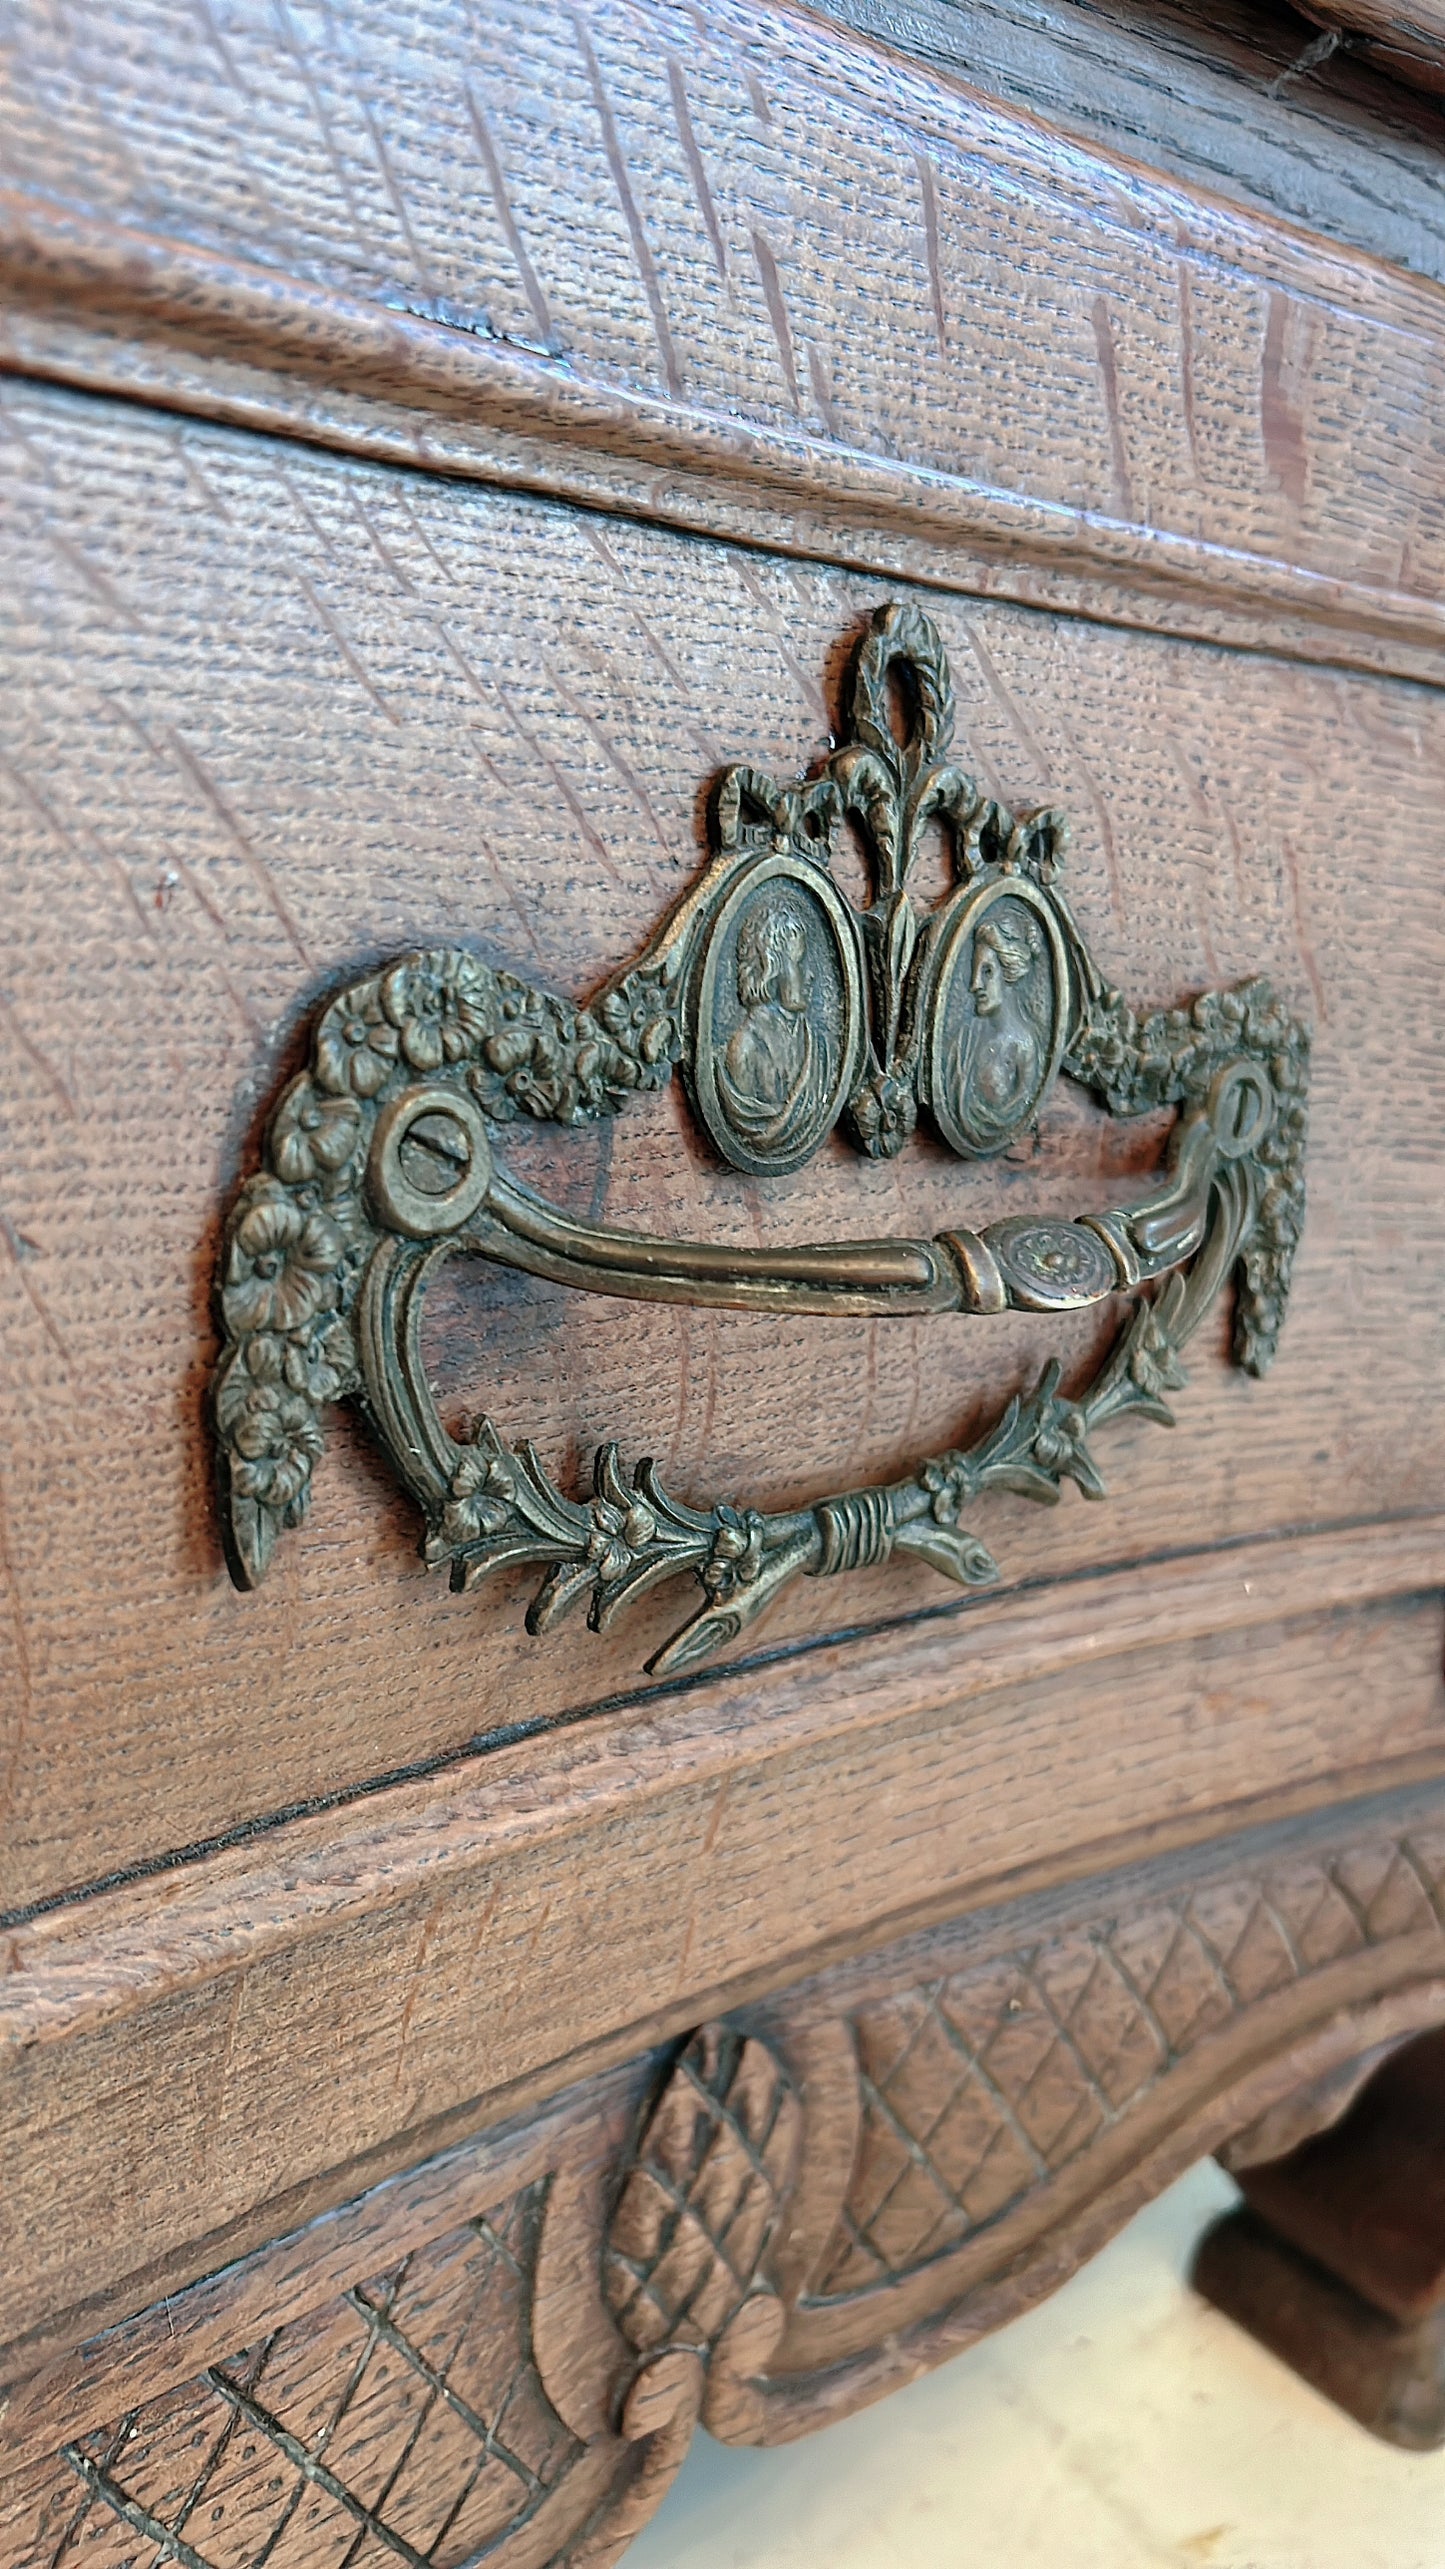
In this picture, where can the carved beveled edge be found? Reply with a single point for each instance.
(1059, 2060)
(111, 1957)
(151, 2348)
(791, 1013)
(104, 307)
(720, 2232)
(269, 1931)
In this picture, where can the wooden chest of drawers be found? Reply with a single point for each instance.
(546, 550)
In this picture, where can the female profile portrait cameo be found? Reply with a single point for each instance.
(779, 1016)
(997, 1014)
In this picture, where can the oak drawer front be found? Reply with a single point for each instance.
(165, 1708)
(503, 2352)
(521, 444)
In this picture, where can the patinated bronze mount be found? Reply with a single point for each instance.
(790, 1012)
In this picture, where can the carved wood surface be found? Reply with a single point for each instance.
(796, 2208)
(186, 810)
(272, 714)
(1204, 422)
(985, 2088)
(347, 1993)
(404, 2417)
(157, 816)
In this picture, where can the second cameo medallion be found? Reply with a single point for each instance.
(996, 1016)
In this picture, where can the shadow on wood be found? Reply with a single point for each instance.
(1337, 2260)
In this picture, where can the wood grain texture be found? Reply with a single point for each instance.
(1191, 417)
(802, 2205)
(361, 1996)
(1006, 2084)
(273, 716)
(159, 2348)
(656, 348)
(404, 2418)
(83, 1965)
(1241, 99)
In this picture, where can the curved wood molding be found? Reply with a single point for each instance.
(801, 2206)
(84, 1966)
(377, 1918)
(1229, 435)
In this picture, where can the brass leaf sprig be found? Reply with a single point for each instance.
(504, 1510)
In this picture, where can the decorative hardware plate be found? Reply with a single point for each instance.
(790, 1012)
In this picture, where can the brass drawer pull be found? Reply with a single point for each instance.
(789, 1012)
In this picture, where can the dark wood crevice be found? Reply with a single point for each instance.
(1245, 100)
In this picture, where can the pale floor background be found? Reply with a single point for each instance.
(1124, 2425)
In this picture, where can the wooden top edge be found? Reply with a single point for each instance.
(104, 308)
(103, 1959)
(1408, 42)
(1200, 217)
(1123, 188)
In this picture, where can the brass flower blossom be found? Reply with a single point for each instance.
(313, 1135)
(276, 1441)
(280, 1271)
(357, 1047)
(482, 1492)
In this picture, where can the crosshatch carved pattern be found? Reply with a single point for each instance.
(717, 2157)
(405, 2420)
(409, 2417)
(978, 2087)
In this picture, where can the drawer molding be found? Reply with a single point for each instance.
(387, 1921)
(1133, 362)
(187, 330)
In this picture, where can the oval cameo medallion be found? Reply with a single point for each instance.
(997, 1014)
(779, 1016)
